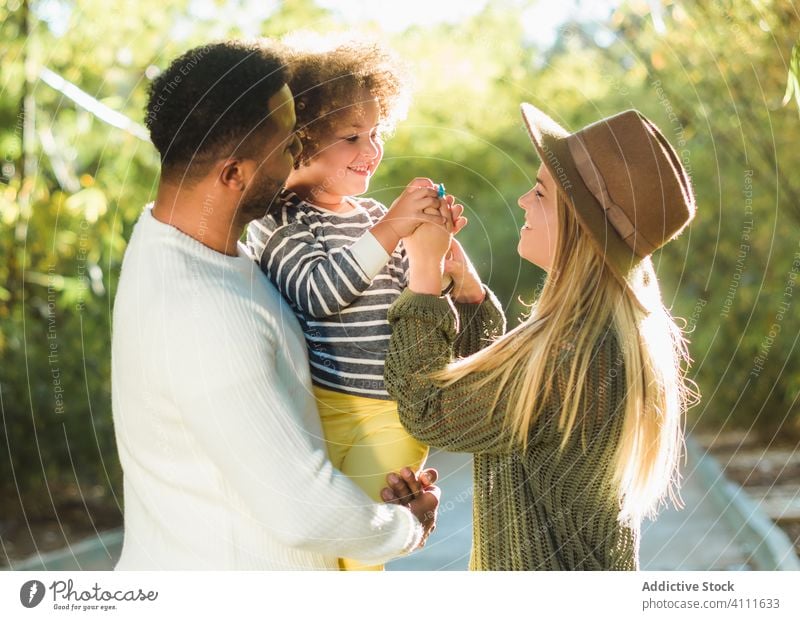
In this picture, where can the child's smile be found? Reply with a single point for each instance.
(347, 159)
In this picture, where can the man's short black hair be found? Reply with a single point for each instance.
(206, 104)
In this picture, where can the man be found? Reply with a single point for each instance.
(216, 426)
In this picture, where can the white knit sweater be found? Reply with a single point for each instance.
(217, 429)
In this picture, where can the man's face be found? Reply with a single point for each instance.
(278, 154)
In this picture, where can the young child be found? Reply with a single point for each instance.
(337, 258)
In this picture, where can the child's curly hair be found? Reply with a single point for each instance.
(326, 83)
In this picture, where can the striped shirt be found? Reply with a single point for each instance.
(340, 283)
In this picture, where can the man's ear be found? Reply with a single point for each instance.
(233, 174)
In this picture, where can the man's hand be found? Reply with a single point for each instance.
(419, 495)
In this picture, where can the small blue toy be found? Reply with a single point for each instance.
(441, 190)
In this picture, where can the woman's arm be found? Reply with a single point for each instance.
(478, 324)
(459, 417)
(480, 315)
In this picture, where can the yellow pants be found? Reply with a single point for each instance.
(366, 441)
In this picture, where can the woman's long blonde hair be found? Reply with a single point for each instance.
(580, 301)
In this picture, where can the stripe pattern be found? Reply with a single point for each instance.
(306, 252)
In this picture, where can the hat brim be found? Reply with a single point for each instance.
(634, 273)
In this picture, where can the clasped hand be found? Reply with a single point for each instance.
(432, 250)
(417, 493)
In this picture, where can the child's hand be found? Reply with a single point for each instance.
(419, 203)
(430, 242)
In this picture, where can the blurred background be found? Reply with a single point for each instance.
(76, 167)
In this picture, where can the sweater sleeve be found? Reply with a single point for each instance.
(241, 413)
(458, 417)
(478, 324)
(318, 282)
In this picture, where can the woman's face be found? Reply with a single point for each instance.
(537, 242)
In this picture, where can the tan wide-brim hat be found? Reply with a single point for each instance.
(627, 187)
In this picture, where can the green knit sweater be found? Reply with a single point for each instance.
(535, 508)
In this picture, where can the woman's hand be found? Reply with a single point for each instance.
(427, 247)
(467, 287)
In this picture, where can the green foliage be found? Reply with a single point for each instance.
(793, 80)
(710, 80)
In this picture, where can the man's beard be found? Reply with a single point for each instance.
(259, 198)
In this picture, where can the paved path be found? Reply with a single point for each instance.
(448, 547)
(694, 538)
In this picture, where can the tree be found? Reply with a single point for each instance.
(65, 221)
(713, 79)
(793, 78)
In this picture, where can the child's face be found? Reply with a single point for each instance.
(348, 157)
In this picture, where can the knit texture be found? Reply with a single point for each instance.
(534, 508)
(217, 430)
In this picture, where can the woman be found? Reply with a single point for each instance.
(574, 417)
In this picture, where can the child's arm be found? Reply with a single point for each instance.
(321, 283)
(318, 282)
